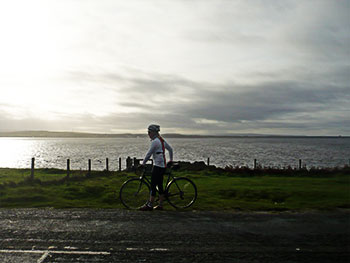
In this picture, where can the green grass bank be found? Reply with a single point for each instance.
(217, 190)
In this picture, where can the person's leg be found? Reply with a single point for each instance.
(149, 205)
(155, 181)
(160, 186)
(161, 199)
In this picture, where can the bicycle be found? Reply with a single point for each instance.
(180, 192)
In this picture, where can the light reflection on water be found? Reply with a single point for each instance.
(276, 152)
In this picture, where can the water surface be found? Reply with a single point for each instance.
(276, 152)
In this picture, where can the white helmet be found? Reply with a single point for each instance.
(154, 128)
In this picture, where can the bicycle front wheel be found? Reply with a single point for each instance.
(134, 193)
(181, 192)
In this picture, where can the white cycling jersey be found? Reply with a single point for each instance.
(158, 152)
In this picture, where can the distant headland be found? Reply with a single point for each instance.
(56, 134)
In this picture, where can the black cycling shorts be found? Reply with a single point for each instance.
(157, 180)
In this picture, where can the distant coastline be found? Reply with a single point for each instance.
(52, 134)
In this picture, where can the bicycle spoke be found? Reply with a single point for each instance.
(182, 193)
(134, 193)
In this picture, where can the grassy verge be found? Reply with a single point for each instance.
(225, 191)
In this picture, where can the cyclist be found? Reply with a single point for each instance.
(157, 151)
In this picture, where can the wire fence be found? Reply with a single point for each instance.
(130, 163)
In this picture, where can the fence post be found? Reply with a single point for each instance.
(136, 162)
(120, 164)
(32, 169)
(68, 168)
(107, 168)
(89, 172)
(299, 164)
(254, 164)
(128, 163)
(208, 162)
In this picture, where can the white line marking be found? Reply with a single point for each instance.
(152, 249)
(72, 248)
(54, 252)
(43, 257)
(159, 249)
(22, 251)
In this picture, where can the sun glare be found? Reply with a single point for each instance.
(14, 152)
(34, 58)
(28, 52)
(27, 43)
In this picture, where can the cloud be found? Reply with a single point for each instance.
(192, 66)
(266, 101)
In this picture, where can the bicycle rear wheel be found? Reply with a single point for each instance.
(181, 192)
(134, 193)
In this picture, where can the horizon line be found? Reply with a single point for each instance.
(45, 133)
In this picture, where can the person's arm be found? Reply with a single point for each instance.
(170, 150)
(149, 153)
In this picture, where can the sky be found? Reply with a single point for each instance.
(216, 67)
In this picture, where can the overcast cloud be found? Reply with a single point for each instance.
(204, 67)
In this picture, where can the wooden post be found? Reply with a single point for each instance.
(89, 172)
(32, 169)
(68, 168)
(208, 161)
(120, 163)
(128, 163)
(136, 162)
(299, 164)
(107, 168)
(254, 164)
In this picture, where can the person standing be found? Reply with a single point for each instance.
(157, 151)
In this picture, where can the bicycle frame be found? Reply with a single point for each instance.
(170, 178)
(174, 186)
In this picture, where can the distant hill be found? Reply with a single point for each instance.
(66, 134)
(51, 134)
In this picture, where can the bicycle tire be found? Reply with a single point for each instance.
(134, 193)
(181, 193)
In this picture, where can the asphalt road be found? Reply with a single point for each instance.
(89, 235)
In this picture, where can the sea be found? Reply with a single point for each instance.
(278, 152)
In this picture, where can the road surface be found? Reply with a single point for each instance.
(90, 235)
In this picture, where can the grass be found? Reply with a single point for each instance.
(275, 193)
(216, 191)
